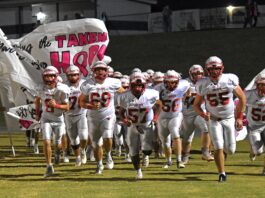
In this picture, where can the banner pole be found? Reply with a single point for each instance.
(11, 143)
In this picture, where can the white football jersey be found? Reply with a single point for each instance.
(75, 92)
(60, 94)
(172, 100)
(218, 96)
(188, 110)
(117, 108)
(139, 110)
(255, 109)
(103, 93)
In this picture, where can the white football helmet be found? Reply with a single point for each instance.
(171, 79)
(150, 72)
(72, 70)
(126, 76)
(196, 72)
(260, 84)
(136, 70)
(103, 74)
(73, 74)
(214, 67)
(146, 75)
(110, 71)
(137, 83)
(99, 64)
(107, 59)
(117, 74)
(52, 73)
(158, 77)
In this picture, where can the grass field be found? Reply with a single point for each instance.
(22, 176)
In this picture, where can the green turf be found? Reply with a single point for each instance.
(22, 176)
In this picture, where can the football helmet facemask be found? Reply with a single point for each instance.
(137, 83)
(158, 77)
(260, 84)
(100, 70)
(171, 80)
(50, 75)
(73, 74)
(214, 67)
(196, 72)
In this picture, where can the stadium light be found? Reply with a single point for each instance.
(230, 8)
(41, 16)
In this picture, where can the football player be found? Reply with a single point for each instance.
(171, 93)
(52, 98)
(217, 91)
(255, 116)
(140, 106)
(117, 75)
(136, 69)
(120, 128)
(158, 78)
(75, 118)
(98, 97)
(32, 136)
(192, 121)
(110, 71)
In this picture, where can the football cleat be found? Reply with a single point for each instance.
(65, 157)
(36, 149)
(139, 174)
(109, 163)
(49, 171)
(185, 159)
(180, 164)
(128, 158)
(167, 165)
(83, 156)
(99, 169)
(222, 178)
(208, 157)
(252, 157)
(78, 161)
(145, 161)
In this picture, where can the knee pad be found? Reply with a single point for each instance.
(147, 152)
(75, 147)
